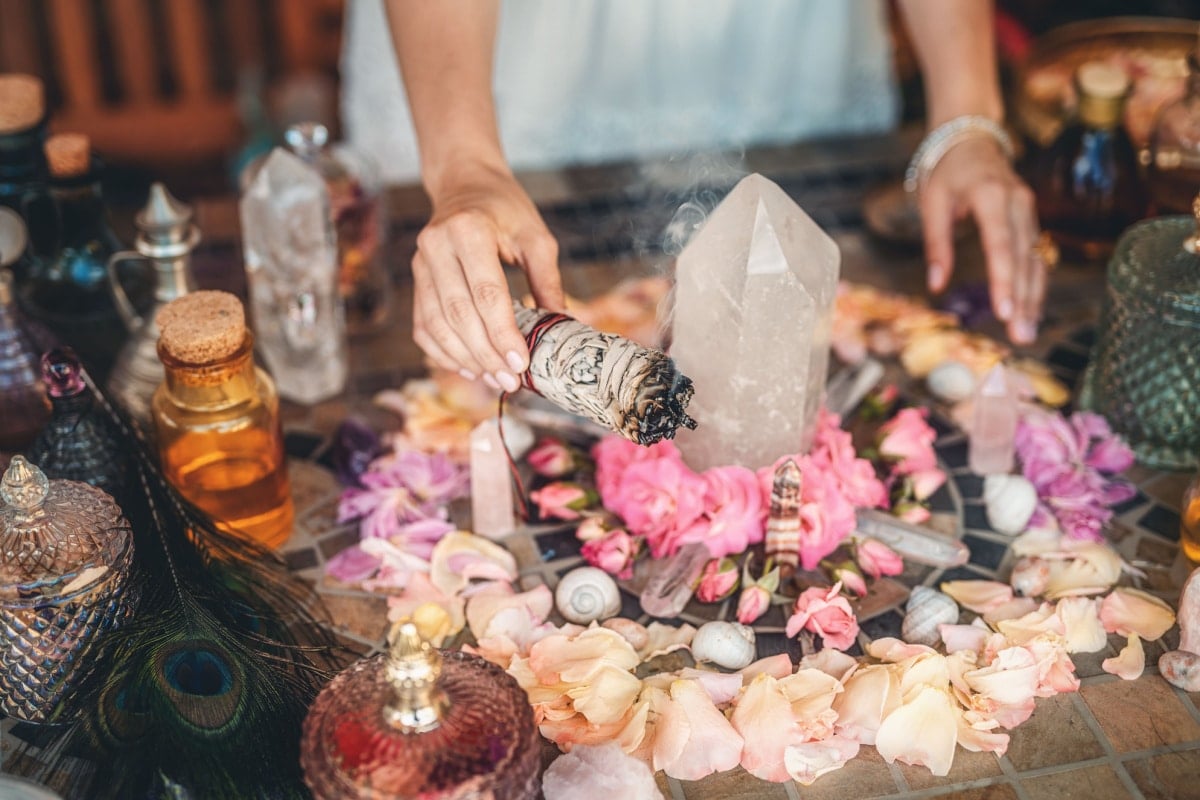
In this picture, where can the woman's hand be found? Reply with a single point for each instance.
(462, 308)
(975, 177)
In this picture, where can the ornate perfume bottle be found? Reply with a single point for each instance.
(22, 395)
(78, 443)
(65, 556)
(166, 238)
(1172, 158)
(216, 416)
(419, 723)
(1144, 374)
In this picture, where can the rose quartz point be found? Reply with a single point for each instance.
(1182, 667)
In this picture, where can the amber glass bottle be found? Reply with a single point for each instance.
(217, 418)
(1189, 524)
(1087, 183)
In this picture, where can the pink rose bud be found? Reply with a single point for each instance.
(614, 553)
(910, 511)
(875, 558)
(717, 581)
(851, 579)
(752, 603)
(551, 459)
(925, 482)
(563, 500)
(590, 529)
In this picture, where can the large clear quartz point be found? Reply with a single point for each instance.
(754, 300)
(291, 266)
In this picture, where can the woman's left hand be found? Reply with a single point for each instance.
(975, 177)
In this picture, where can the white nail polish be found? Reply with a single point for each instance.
(467, 374)
(490, 381)
(1004, 309)
(515, 362)
(508, 381)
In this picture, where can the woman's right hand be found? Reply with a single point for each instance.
(462, 307)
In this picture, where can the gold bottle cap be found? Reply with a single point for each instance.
(22, 102)
(202, 327)
(413, 667)
(68, 155)
(1192, 243)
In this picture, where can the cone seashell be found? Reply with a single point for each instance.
(726, 644)
(1010, 501)
(952, 381)
(586, 595)
(631, 631)
(927, 609)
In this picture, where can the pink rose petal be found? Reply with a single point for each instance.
(1130, 663)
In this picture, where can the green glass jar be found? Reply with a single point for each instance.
(1144, 375)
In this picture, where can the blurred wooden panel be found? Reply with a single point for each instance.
(18, 37)
(244, 32)
(72, 28)
(172, 133)
(136, 65)
(311, 32)
(187, 34)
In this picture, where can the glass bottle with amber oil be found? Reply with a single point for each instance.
(1189, 521)
(217, 418)
(1087, 183)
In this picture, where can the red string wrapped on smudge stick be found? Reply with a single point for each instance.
(632, 390)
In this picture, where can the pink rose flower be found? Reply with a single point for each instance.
(614, 454)
(563, 500)
(752, 603)
(658, 499)
(551, 458)
(875, 558)
(717, 581)
(826, 613)
(614, 553)
(833, 451)
(908, 439)
(733, 512)
(850, 578)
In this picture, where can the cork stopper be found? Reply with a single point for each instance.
(1102, 79)
(68, 154)
(22, 102)
(202, 327)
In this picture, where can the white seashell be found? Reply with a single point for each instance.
(726, 644)
(1010, 501)
(631, 631)
(952, 381)
(587, 594)
(927, 609)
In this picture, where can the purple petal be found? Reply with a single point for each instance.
(352, 565)
(356, 503)
(1117, 492)
(355, 446)
(1110, 455)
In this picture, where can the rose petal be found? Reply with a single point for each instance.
(831, 662)
(1127, 611)
(922, 732)
(978, 596)
(1081, 621)
(871, 694)
(808, 761)
(764, 720)
(352, 565)
(962, 637)
(709, 743)
(1129, 664)
(777, 666)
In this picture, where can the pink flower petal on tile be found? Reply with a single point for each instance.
(808, 761)
(831, 662)
(352, 565)
(763, 717)
(978, 596)
(962, 637)
(871, 694)
(1081, 622)
(922, 732)
(1127, 611)
(777, 666)
(709, 743)
(1130, 663)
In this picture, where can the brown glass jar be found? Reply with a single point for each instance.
(216, 415)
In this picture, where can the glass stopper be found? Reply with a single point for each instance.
(306, 138)
(24, 486)
(62, 373)
(413, 667)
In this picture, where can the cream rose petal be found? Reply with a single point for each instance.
(871, 693)
(1130, 663)
(1042, 619)
(810, 760)
(607, 696)
(488, 560)
(962, 637)
(896, 650)
(1011, 679)
(1126, 611)
(722, 687)
(663, 639)
(922, 732)
(777, 666)
(831, 662)
(709, 743)
(1081, 622)
(764, 720)
(978, 596)
(1012, 609)
(982, 737)
(482, 607)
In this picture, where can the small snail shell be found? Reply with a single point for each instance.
(633, 632)
(726, 644)
(1030, 576)
(587, 594)
(927, 609)
(951, 381)
(1010, 501)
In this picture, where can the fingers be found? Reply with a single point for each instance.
(1029, 278)
(989, 202)
(937, 220)
(539, 253)
(431, 333)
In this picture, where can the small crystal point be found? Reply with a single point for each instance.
(753, 312)
(491, 483)
(670, 582)
(994, 425)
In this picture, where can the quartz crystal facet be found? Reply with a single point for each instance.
(417, 723)
(65, 556)
(753, 307)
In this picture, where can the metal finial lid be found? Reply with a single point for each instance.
(413, 667)
(1192, 243)
(165, 225)
(24, 486)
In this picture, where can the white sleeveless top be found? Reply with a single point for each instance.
(586, 81)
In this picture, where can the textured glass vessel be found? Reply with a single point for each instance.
(22, 395)
(65, 555)
(419, 723)
(1145, 371)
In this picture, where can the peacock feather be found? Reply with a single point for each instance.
(202, 694)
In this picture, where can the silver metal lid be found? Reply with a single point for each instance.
(165, 225)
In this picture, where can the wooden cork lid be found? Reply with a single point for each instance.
(22, 102)
(68, 154)
(202, 327)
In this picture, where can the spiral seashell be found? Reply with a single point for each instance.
(587, 594)
(1010, 501)
(633, 632)
(927, 609)
(726, 644)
